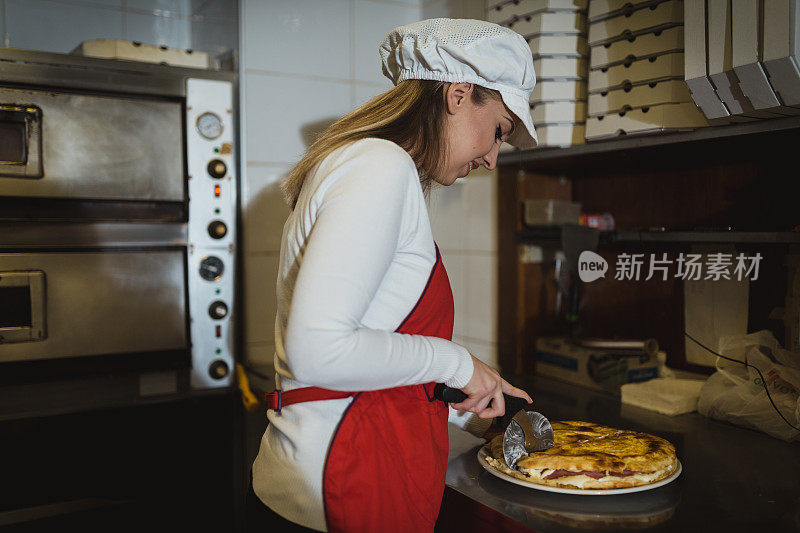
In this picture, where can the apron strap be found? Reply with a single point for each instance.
(280, 398)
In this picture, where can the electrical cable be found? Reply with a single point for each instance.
(763, 381)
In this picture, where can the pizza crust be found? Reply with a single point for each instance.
(585, 446)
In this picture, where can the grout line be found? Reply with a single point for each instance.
(288, 166)
(397, 3)
(484, 342)
(262, 253)
(276, 74)
(6, 38)
(123, 5)
(352, 54)
(457, 251)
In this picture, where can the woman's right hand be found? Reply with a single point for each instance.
(486, 385)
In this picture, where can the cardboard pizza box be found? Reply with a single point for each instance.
(781, 54)
(549, 22)
(659, 118)
(599, 369)
(559, 112)
(746, 51)
(720, 64)
(657, 68)
(658, 16)
(696, 66)
(503, 11)
(605, 9)
(564, 44)
(561, 135)
(560, 67)
(637, 47)
(555, 90)
(649, 94)
(147, 53)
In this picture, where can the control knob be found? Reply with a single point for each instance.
(217, 168)
(218, 310)
(217, 229)
(218, 369)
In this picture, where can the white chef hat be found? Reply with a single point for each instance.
(466, 50)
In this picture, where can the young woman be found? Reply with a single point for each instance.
(356, 439)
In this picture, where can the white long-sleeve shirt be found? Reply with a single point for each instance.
(356, 254)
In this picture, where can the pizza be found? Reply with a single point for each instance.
(591, 456)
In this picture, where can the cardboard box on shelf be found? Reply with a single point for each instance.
(560, 67)
(561, 135)
(658, 118)
(696, 67)
(720, 65)
(637, 47)
(658, 16)
(147, 53)
(746, 58)
(600, 369)
(563, 44)
(551, 212)
(663, 67)
(649, 94)
(781, 55)
(555, 90)
(551, 22)
(603, 9)
(499, 12)
(558, 112)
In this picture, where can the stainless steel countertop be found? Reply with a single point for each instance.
(733, 478)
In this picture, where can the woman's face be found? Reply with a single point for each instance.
(475, 132)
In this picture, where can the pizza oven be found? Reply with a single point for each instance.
(118, 197)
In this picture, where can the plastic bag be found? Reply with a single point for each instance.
(735, 393)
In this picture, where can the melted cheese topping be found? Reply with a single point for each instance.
(578, 480)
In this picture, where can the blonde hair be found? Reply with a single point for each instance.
(412, 115)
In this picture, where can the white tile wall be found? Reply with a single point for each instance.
(285, 113)
(163, 7)
(364, 92)
(61, 25)
(264, 209)
(480, 211)
(308, 37)
(58, 27)
(448, 215)
(260, 275)
(372, 22)
(480, 299)
(159, 30)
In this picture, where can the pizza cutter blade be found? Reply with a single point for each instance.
(527, 432)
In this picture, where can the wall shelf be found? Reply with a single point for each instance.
(548, 235)
(761, 138)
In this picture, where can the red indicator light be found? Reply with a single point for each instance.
(219, 331)
(217, 190)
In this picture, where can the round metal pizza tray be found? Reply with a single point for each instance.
(586, 492)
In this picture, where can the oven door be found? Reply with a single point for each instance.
(91, 157)
(86, 303)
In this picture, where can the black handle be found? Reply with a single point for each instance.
(450, 395)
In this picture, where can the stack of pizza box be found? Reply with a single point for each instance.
(636, 73)
(556, 33)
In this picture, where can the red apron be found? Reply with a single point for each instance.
(386, 463)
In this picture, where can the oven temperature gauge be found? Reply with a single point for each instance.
(209, 125)
(211, 268)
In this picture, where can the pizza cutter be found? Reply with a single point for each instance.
(526, 431)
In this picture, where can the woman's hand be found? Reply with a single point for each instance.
(486, 386)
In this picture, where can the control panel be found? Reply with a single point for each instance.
(212, 229)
